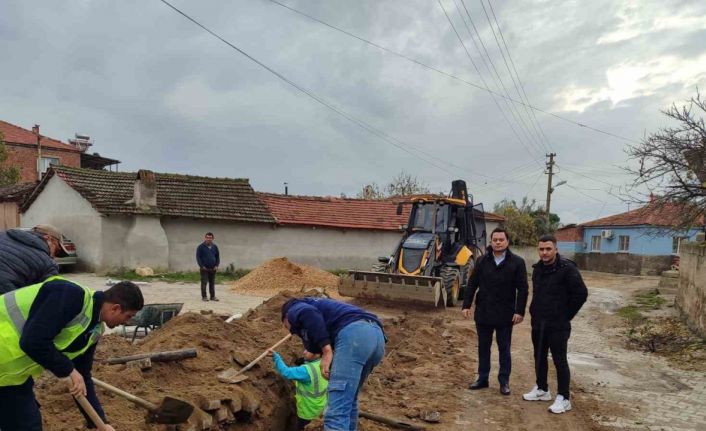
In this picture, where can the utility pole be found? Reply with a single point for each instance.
(550, 173)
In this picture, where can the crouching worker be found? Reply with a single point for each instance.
(309, 383)
(54, 325)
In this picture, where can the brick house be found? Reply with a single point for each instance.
(33, 153)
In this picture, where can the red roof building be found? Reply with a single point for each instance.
(33, 153)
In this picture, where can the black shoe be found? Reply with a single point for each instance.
(204, 299)
(505, 389)
(215, 299)
(478, 384)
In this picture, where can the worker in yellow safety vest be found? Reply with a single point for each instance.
(309, 383)
(54, 325)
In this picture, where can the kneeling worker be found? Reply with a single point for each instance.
(55, 325)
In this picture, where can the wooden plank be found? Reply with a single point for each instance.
(172, 355)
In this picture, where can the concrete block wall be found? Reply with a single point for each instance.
(691, 293)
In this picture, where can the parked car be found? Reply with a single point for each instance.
(67, 253)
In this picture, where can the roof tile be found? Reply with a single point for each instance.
(18, 135)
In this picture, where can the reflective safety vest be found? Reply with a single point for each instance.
(311, 397)
(15, 366)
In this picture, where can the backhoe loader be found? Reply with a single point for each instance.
(433, 261)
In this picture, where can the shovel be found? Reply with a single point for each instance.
(231, 375)
(88, 408)
(170, 411)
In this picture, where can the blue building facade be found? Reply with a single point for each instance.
(640, 240)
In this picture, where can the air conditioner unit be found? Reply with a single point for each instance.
(607, 234)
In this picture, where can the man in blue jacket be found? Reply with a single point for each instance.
(208, 259)
(352, 343)
(27, 256)
(54, 325)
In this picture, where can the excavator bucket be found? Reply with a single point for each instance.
(413, 289)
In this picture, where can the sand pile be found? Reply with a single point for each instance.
(280, 274)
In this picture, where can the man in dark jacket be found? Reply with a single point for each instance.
(500, 280)
(27, 256)
(352, 343)
(558, 292)
(208, 259)
(54, 325)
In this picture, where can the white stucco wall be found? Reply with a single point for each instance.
(60, 205)
(147, 244)
(248, 245)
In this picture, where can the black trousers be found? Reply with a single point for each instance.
(19, 410)
(503, 336)
(545, 339)
(302, 423)
(208, 276)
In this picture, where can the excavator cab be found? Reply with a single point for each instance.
(435, 256)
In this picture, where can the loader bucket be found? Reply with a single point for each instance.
(411, 289)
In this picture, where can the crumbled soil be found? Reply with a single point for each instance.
(669, 337)
(280, 274)
(430, 359)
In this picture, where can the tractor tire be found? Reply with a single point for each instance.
(380, 267)
(466, 271)
(451, 279)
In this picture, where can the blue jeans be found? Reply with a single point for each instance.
(359, 347)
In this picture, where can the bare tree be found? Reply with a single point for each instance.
(672, 165)
(403, 184)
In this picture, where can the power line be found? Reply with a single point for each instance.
(447, 74)
(369, 128)
(496, 76)
(530, 112)
(468, 54)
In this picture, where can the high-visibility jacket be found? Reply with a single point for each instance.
(311, 397)
(15, 366)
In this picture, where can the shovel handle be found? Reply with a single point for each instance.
(259, 358)
(90, 411)
(128, 396)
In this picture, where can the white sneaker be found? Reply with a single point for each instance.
(537, 394)
(560, 405)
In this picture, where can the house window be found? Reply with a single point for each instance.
(45, 162)
(623, 243)
(596, 243)
(676, 243)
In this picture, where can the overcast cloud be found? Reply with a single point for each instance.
(157, 92)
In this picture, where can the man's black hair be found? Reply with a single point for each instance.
(127, 295)
(547, 237)
(209, 234)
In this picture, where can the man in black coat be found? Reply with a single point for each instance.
(27, 256)
(500, 280)
(558, 292)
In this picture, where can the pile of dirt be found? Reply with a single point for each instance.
(280, 274)
(220, 345)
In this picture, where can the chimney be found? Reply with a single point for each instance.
(145, 195)
(286, 189)
(652, 197)
(35, 129)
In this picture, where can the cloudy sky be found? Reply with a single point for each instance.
(157, 92)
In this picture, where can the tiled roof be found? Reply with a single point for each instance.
(571, 233)
(341, 212)
(177, 195)
(649, 215)
(335, 212)
(18, 135)
(17, 192)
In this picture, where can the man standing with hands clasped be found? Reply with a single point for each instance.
(208, 259)
(499, 285)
